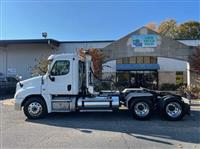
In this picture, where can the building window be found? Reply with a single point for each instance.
(153, 60)
(126, 60)
(123, 78)
(179, 77)
(119, 61)
(135, 79)
(147, 60)
(137, 60)
(132, 60)
(140, 60)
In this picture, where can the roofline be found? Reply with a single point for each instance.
(32, 41)
(189, 39)
(87, 41)
(41, 41)
(29, 41)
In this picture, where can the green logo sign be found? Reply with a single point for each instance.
(144, 41)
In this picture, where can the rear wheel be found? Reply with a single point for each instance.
(35, 107)
(172, 109)
(141, 109)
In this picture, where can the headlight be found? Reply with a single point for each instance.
(186, 100)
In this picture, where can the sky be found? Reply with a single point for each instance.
(73, 20)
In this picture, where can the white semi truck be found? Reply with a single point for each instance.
(68, 87)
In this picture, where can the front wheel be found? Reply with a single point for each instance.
(35, 107)
(141, 109)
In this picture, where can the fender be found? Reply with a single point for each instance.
(133, 95)
(22, 95)
(167, 97)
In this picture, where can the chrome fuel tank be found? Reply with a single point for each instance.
(98, 102)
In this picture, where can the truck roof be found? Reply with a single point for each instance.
(63, 56)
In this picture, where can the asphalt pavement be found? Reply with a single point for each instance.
(96, 130)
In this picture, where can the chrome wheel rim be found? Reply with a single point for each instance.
(173, 109)
(35, 109)
(141, 109)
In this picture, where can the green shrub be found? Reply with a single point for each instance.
(169, 87)
(193, 91)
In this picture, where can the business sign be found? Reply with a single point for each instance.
(11, 71)
(144, 41)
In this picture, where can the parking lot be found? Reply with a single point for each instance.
(96, 130)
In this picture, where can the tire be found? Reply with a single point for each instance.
(35, 108)
(172, 109)
(141, 109)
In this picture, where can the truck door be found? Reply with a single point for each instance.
(60, 80)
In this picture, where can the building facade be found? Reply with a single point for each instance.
(148, 72)
(18, 57)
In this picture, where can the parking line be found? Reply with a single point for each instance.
(9, 102)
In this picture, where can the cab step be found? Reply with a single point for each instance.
(96, 110)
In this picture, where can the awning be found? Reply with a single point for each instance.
(137, 67)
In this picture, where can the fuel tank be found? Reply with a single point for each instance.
(98, 102)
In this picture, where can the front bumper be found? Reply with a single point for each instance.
(187, 103)
(187, 108)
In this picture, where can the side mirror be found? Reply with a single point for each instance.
(19, 78)
(51, 78)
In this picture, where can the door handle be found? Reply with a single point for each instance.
(69, 87)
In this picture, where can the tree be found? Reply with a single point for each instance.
(195, 69)
(189, 30)
(168, 28)
(151, 26)
(97, 59)
(195, 60)
(40, 67)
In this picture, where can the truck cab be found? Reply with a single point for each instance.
(68, 86)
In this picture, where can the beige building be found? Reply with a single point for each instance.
(18, 57)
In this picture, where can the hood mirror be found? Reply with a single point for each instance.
(19, 78)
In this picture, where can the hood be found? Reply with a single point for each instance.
(32, 82)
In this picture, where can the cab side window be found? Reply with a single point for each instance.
(61, 67)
